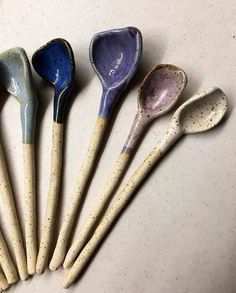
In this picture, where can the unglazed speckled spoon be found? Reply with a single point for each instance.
(6, 262)
(54, 62)
(200, 113)
(115, 55)
(158, 93)
(16, 78)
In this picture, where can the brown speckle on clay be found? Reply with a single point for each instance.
(183, 117)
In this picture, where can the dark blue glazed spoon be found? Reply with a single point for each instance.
(115, 55)
(54, 62)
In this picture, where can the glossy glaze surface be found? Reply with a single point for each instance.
(161, 88)
(16, 78)
(158, 93)
(54, 62)
(181, 124)
(115, 55)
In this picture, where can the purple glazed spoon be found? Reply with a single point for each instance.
(158, 93)
(115, 55)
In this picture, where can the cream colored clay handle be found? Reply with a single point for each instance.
(30, 207)
(98, 210)
(120, 202)
(54, 186)
(3, 282)
(81, 182)
(12, 219)
(6, 262)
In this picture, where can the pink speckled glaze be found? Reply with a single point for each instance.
(160, 88)
(157, 95)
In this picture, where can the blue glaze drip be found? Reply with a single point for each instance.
(115, 55)
(55, 63)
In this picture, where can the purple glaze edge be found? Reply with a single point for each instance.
(120, 73)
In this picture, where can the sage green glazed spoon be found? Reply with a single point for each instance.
(16, 78)
(200, 113)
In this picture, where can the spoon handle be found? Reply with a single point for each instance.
(12, 217)
(98, 210)
(120, 202)
(6, 262)
(54, 186)
(138, 126)
(3, 282)
(30, 207)
(80, 185)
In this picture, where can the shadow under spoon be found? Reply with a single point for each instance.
(158, 93)
(200, 113)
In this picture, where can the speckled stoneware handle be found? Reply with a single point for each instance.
(200, 113)
(158, 93)
(16, 77)
(113, 212)
(3, 282)
(109, 189)
(30, 207)
(55, 63)
(12, 219)
(55, 176)
(80, 185)
(114, 55)
(6, 262)
(99, 208)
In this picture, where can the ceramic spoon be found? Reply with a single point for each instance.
(114, 55)
(200, 113)
(3, 282)
(157, 95)
(54, 62)
(6, 262)
(16, 78)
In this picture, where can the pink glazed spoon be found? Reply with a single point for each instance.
(158, 93)
(200, 113)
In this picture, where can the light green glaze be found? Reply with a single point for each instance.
(16, 78)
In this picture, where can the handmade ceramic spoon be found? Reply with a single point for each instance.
(3, 282)
(6, 262)
(114, 55)
(200, 113)
(54, 62)
(16, 78)
(157, 95)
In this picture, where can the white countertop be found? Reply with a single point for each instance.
(179, 233)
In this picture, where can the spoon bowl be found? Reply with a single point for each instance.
(202, 112)
(197, 109)
(115, 55)
(54, 62)
(160, 90)
(16, 78)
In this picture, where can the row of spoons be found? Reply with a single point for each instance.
(114, 55)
